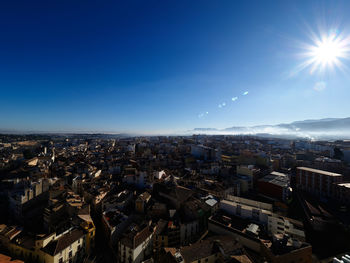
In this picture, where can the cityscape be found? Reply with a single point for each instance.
(174, 131)
(218, 198)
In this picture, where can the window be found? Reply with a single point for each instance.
(70, 254)
(60, 260)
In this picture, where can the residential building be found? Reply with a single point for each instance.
(317, 182)
(279, 248)
(275, 185)
(69, 246)
(211, 250)
(205, 153)
(142, 202)
(262, 213)
(167, 234)
(284, 249)
(286, 226)
(114, 223)
(341, 192)
(135, 244)
(248, 175)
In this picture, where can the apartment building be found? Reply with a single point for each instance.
(275, 185)
(136, 244)
(317, 182)
(262, 213)
(69, 246)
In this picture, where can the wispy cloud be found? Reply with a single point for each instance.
(245, 93)
(234, 98)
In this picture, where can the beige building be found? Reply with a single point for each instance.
(247, 175)
(70, 246)
(317, 182)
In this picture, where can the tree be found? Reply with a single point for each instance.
(338, 154)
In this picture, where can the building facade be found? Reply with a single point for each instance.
(317, 182)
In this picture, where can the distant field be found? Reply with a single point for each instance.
(27, 143)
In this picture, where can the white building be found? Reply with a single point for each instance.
(245, 211)
(159, 174)
(262, 213)
(284, 225)
(136, 244)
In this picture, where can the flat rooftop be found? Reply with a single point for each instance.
(276, 179)
(318, 171)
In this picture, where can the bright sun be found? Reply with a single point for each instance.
(326, 52)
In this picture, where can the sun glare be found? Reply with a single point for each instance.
(326, 53)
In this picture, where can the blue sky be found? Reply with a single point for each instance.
(165, 66)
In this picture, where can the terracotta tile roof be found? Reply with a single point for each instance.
(142, 236)
(209, 247)
(7, 259)
(56, 246)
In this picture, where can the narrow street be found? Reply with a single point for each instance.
(102, 249)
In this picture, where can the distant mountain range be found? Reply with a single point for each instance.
(333, 128)
(329, 128)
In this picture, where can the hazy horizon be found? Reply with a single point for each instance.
(293, 130)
